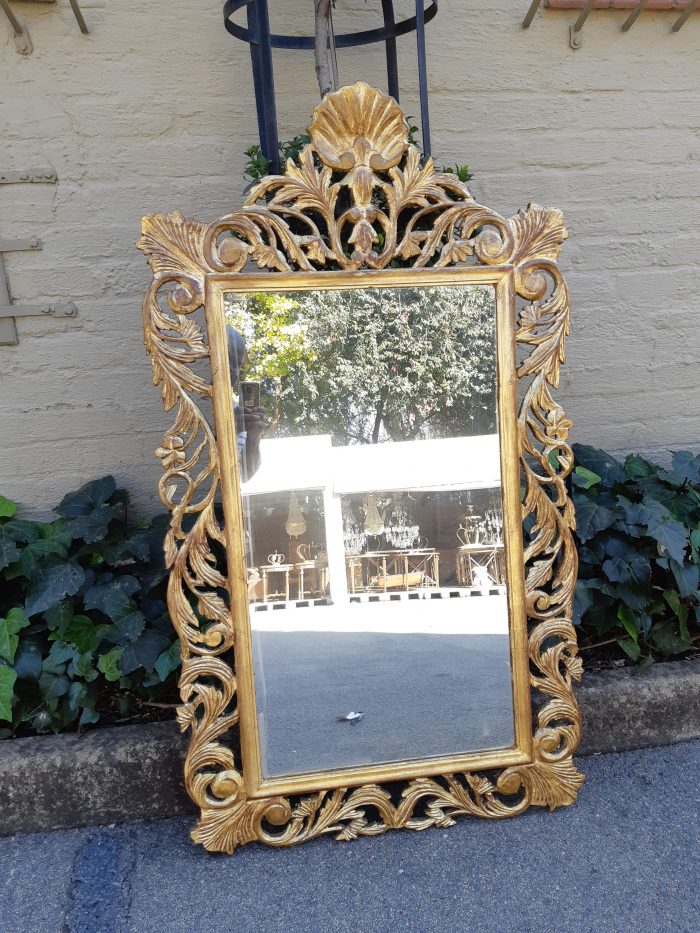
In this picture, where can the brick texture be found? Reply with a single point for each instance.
(152, 112)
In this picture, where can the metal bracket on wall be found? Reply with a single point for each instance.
(36, 176)
(576, 30)
(8, 311)
(22, 40)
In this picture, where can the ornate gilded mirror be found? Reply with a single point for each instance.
(370, 550)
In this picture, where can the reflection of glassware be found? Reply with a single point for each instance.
(354, 538)
(374, 523)
(311, 551)
(486, 529)
(400, 532)
(296, 523)
(275, 559)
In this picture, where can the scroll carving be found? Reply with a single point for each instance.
(361, 197)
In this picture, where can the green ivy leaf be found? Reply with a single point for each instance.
(28, 660)
(88, 716)
(591, 517)
(8, 642)
(7, 683)
(671, 537)
(687, 577)
(601, 463)
(667, 640)
(14, 622)
(109, 664)
(584, 478)
(636, 467)
(16, 619)
(89, 511)
(51, 584)
(9, 552)
(7, 508)
(83, 633)
(636, 568)
(627, 618)
(58, 616)
(55, 661)
(111, 595)
(76, 694)
(144, 651)
(687, 465)
(83, 668)
(169, 660)
(131, 625)
(673, 600)
(630, 647)
(53, 686)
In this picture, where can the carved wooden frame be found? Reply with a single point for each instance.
(359, 176)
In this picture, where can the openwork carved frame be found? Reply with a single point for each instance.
(361, 198)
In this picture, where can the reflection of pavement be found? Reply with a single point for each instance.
(422, 695)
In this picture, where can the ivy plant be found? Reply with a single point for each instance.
(638, 530)
(83, 619)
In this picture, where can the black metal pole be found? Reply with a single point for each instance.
(392, 64)
(261, 41)
(264, 79)
(422, 76)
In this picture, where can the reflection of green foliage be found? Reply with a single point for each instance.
(374, 364)
(277, 343)
(274, 332)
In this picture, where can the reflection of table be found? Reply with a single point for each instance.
(266, 570)
(475, 561)
(391, 570)
(312, 578)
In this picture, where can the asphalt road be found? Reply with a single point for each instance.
(624, 858)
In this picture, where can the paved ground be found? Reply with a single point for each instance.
(624, 858)
(305, 680)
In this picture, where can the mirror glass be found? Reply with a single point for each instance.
(368, 445)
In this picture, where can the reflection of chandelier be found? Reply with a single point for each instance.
(296, 523)
(354, 538)
(486, 529)
(400, 533)
(374, 523)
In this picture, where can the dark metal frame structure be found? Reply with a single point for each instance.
(261, 41)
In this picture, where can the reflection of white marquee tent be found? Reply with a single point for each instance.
(312, 462)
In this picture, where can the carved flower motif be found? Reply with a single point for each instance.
(359, 125)
(172, 452)
(558, 424)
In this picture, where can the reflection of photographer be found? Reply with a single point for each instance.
(248, 414)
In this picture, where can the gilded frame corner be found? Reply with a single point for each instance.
(358, 176)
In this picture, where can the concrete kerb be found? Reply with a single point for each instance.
(135, 772)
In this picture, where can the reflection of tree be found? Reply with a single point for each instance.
(371, 365)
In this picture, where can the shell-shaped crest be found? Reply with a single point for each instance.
(358, 125)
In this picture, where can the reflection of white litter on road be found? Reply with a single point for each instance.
(482, 615)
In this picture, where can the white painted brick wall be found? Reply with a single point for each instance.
(152, 111)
